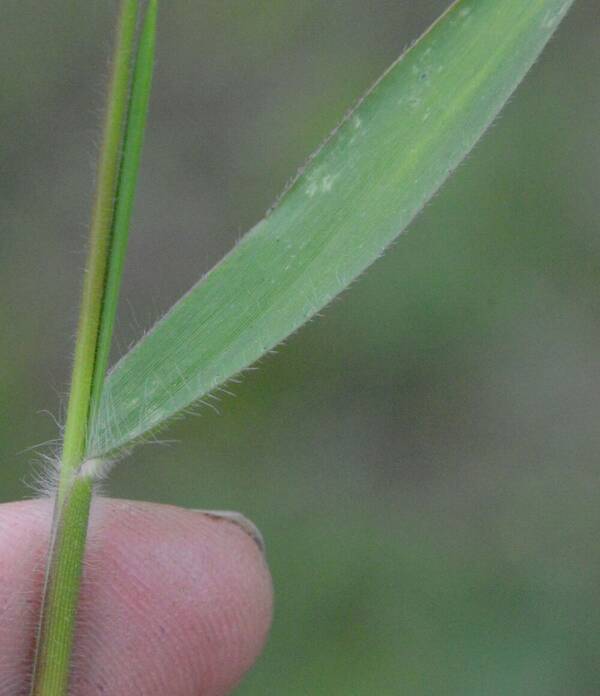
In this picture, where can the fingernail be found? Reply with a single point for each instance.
(243, 522)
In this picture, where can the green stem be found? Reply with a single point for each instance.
(61, 594)
(69, 530)
(99, 250)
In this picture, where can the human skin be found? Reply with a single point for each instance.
(173, 601)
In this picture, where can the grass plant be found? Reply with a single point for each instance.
(371, 177)
(117, 174)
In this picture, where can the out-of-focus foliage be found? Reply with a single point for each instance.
(423, 459)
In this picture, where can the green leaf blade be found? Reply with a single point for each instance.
(361, 189)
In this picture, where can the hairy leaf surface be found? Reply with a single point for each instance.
(357, 193)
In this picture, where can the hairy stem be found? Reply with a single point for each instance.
(99, 249)
(117, 173)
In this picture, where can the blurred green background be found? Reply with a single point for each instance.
(423, 460)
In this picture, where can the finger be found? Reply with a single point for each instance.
(173, 601)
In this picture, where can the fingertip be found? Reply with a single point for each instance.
(184, 597)
(173, 601)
